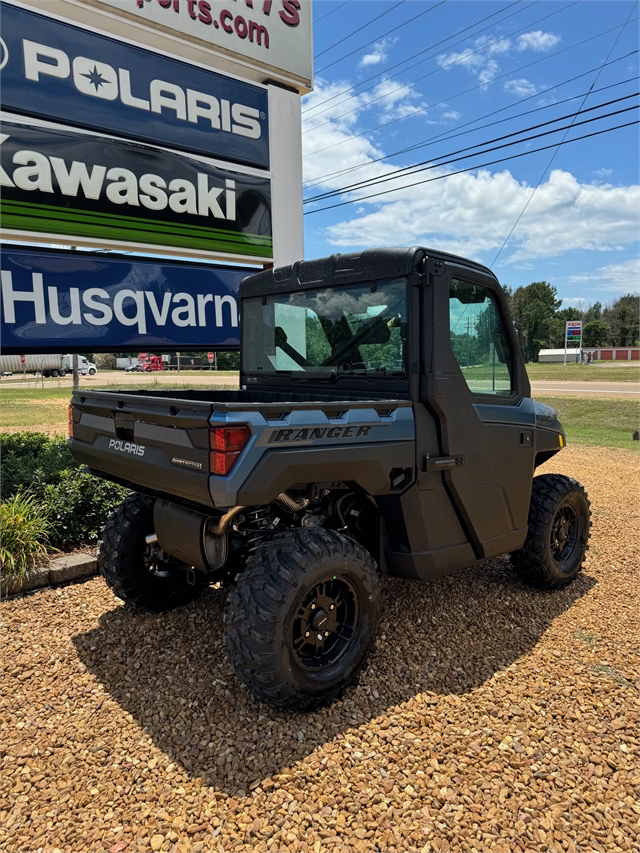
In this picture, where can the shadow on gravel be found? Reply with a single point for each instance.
(172, 675)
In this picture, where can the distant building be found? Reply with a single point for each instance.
(548, 355)
(596, 354)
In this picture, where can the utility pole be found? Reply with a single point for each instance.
(76, 374)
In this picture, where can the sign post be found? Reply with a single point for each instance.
(210, 357)
(573, 333)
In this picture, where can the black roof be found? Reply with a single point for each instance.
(368, 265)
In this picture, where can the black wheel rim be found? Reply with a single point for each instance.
(325, 624)
(565, 534)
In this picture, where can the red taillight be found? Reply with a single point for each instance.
(226, 445)
(228, 439)
(70, 424)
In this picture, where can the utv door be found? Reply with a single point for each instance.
(478, 391)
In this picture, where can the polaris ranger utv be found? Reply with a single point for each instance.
(384, 425)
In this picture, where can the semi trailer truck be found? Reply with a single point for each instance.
(45, 364)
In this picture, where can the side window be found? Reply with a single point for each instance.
(478, 339)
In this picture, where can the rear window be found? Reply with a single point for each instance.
(356, 329)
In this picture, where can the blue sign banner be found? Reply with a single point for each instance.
(51, 69)
(66, 301)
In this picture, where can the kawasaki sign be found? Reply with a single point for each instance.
(75, 184)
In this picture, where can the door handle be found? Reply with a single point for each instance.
(444, 463)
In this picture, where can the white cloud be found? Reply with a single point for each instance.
(521, 87)
(453, 115)
(537, 40)
(578, 302)
(493, 45)
(470, 214)
(378, 54)
(624, 276)
(396, 101)
(479, 59)
(328, 141)
(603, 173)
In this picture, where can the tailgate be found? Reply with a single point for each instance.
(156, 442)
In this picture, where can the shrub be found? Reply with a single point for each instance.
(31, 460)
(24, 535)
(78, 506)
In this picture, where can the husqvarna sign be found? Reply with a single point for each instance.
(54, 70)
(56, 301)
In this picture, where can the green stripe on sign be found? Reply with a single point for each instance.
(26, 216)
(65, 213)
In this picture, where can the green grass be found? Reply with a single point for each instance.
(45, 409)
(618, 372)
(34, 409)
(594, 420)
(597, 420)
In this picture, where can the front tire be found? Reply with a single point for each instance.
(132, 569)
(559, 526)
(302, 618)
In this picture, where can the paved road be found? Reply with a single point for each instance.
(620, 390)
(548, 388)
(110, 380)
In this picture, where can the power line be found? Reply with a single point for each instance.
(346, 3)
(449, 134)
(415, 170)
(464, 92)
(420, 167)
(398, 64)
(384, 35)
(443, 67)
(549, 164)
(473, 168)
(363, 27)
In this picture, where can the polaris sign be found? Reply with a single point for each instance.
(75, 184)
(51, 69)
(57, 301)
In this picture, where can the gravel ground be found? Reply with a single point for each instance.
(491, 718)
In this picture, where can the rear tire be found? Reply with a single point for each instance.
(128, 565)
(559, 526)
(302, 619)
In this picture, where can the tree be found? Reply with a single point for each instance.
(594, 334)
(622, 317)
(105, 361)
(594, 312)
(533, 309)
(228, 360)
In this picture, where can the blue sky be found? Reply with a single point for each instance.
(413, 75)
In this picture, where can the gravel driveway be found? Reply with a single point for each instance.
(491, 718)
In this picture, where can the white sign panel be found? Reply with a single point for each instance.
(273, 34)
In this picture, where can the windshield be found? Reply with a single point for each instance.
(356, 329)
